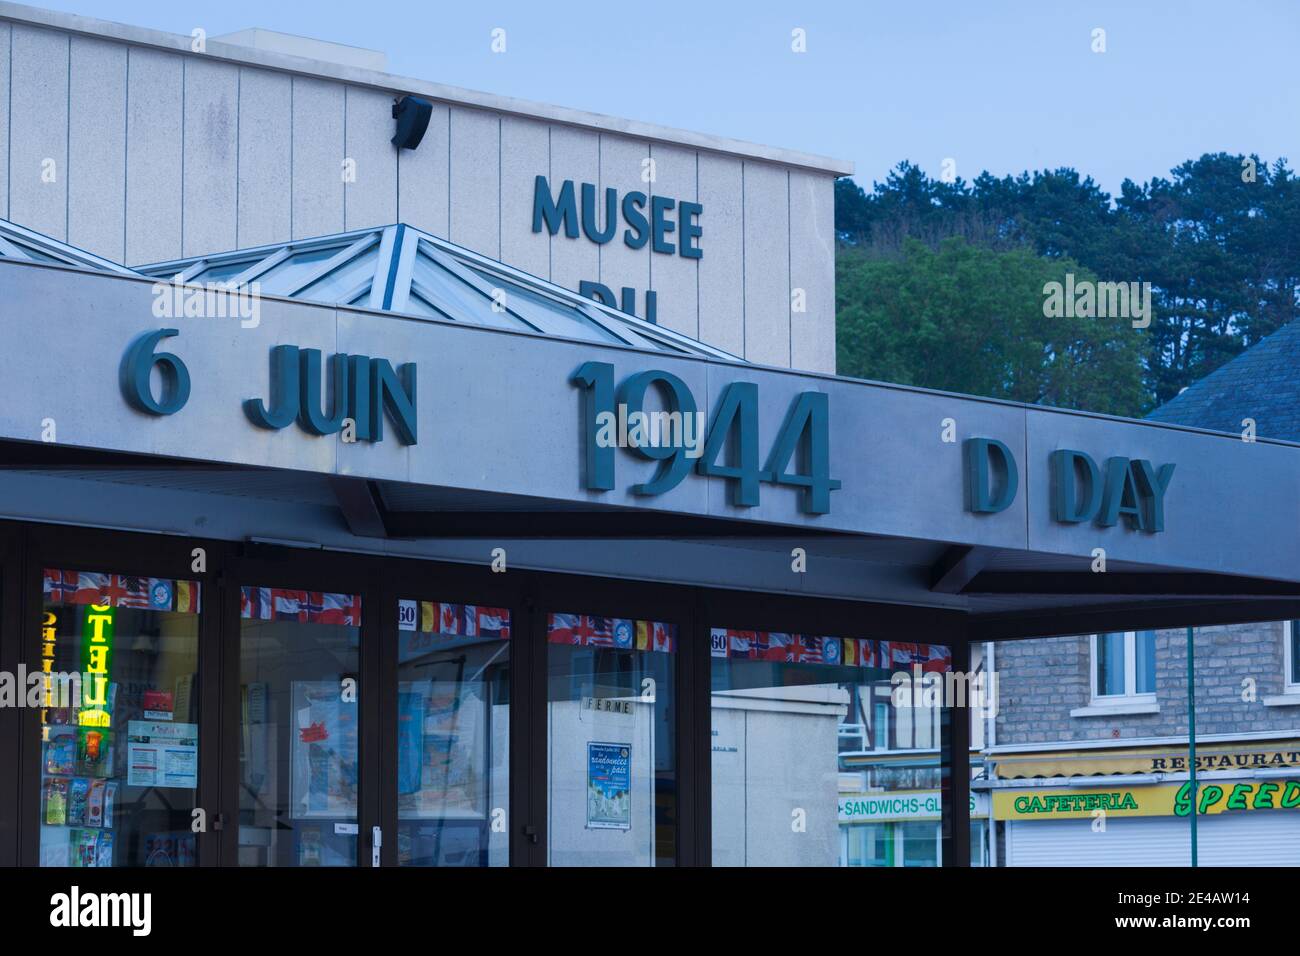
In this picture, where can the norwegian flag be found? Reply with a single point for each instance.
(930, 657)
(60, 586)
(492, 622)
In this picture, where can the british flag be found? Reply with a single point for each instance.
(804, 650)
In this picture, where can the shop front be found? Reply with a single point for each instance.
(1060, 808)
(354, 524)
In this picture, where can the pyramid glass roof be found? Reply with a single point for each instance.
(405, 270)
(26, 245)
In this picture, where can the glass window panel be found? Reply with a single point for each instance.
(611, 741)
(35, 253)
(284, 277)
(1295, 652)
(920, 843)
(119, 720)
(813, 751)
(574, 323)
(458, 299)
(298, 699)
(221, 272)
(332, 286)
(1110, 664)
(1144, 653)
(869, 844)
(453, 734)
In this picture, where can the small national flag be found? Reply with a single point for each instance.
(493, 622)
(160, 594)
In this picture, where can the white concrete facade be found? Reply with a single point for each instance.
(125, 142)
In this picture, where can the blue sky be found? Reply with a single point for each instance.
(1002, 85)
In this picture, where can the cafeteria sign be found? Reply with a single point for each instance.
(1162, 800)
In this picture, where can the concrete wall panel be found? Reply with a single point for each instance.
(97, 148)
(317, 202)
(211, 159)
(154, 129)
(38, 146)
(476, 180)
(677, 279)
(767, 287)
(372, 199)
(812, 269)
(265, 145)
(423, 189)
(525, 154)
(722, 269)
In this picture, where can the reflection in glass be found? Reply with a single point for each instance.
(119, 730)
(611, 741)
(299, 689)
(453, 734)
(817, 755)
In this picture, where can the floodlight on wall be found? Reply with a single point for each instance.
(412, 115)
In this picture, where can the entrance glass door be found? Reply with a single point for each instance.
(119, 731)
(299, 721)
(611, 741)
(453, 734)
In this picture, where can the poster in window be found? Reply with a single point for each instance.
(324, 783)
(609, 789)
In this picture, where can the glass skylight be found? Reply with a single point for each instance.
(405, 270)
(26, 245)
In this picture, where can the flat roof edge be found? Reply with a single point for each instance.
(177, 43)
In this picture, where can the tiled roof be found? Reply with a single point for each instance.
(1262, 383)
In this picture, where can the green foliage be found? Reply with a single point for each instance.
(1221, 250)
(970, 319)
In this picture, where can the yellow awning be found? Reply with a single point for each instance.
(1273, 755)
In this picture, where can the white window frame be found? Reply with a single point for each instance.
(1110, 705)
(1288, 659)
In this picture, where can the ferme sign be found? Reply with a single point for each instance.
(646, 219)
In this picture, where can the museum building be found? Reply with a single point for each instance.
(395, 474)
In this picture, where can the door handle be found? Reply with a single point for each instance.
(376, 842)
(530, 831)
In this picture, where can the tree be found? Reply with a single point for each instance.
(966, 318)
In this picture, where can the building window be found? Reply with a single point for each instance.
(1291, 656)
(1124, 665)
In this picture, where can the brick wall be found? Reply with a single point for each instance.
(1041, 680)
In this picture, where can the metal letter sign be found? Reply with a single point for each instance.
(805, 435)
(137, 366)
(365, 389)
